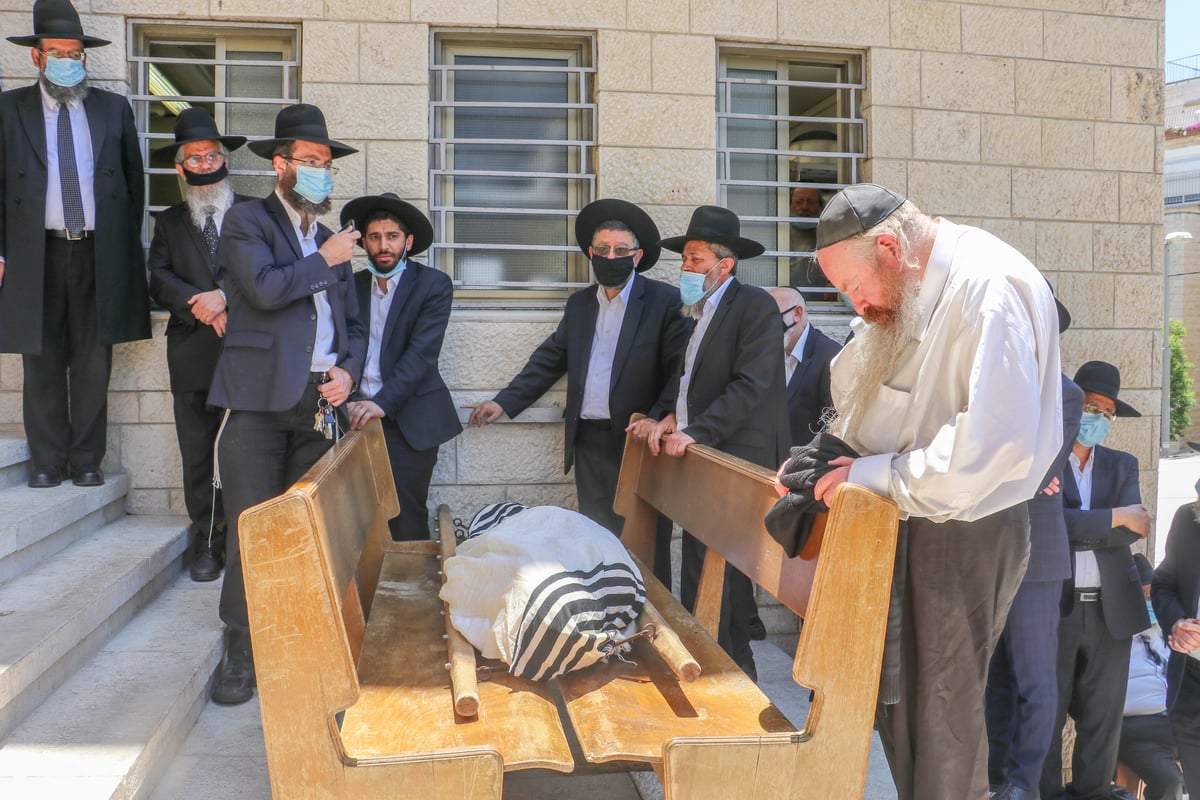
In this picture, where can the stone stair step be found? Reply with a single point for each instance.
(37, 523)
(14, 456)
(57, 615)
(113, 728)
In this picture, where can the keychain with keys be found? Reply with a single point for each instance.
(323, 421)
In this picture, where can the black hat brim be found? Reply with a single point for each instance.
(266, 147)
(31, 40)
(643, 227)
(165, 156)
(414, 219)
(740, 245)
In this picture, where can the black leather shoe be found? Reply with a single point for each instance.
(87, 476)
(1009, 792)
(758, 631)
(45, 478)
(205, 565)
(235, 677)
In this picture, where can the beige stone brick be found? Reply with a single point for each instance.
(1064, 246)
(103, 63)
(460, 12)
(967, 83)
(662, 15)
(1021, 234)
(867, 26)
(673, 220)
(645, 175)
(165, 8)
(544, 494)
(1095, 39)
(10, 408)
(657, 120)
(563, 13)
(446, 469)
(1126, 147)
(112, 458)
(391, 53)
(140, 366)
(156, 407)
(1141, 197)
(893, 77)
(890, 131)
(958, 190)
(1013, 141)
(279, 9)
(990, 30)
(1068, 144)
(1089, 296)
(400, 167)
(1125, 249)
(735, 20)
(945, 135)
(1136, 295)
(685, 64)
(1136, 435)
(372, 111)
(465, 365)
(150, 453)
(12, 373)
(1053, 89)
(927, 25)
(513, 453)
(465, 501)
(1060, 194)
(1137, 96)
(889, 172)
(148, 501)
(1132, 351)
(1141, 9)
(16, 65)
(330, 52)
(122, 408)
(625, 61)
(367, 10)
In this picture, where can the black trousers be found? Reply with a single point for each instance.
(261, 454)
(412, 471)
(1185, 722)
(1148, 747)
(65, 398)
(737, 603)
(196, 425)
(599, 446)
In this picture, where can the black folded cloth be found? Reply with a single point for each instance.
(790, 520)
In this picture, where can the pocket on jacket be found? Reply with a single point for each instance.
(259, 339)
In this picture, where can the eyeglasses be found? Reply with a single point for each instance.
(1092, 408)
(74, 55)
(619, 251)
(208, 159)
(311, 164)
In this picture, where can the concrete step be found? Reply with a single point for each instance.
(56, 616)
(37, 523)
(116, 724)
(14, 456)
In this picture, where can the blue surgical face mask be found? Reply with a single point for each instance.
(64, 71)
(691, 287)
(313, 184)
(1092, 429)
(401, 263)
(1150, 609)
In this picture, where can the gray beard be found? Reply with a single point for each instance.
(204, 200)
(64, 94)
(696, 309)
(304, 205)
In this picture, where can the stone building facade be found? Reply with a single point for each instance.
(1040, 120)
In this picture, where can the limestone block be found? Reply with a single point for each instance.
(1064, 246)
(967, 83)
(123, 407)
(624, 61)
(279, 9)
(398, 166)
(465, 501)
(893, 76)
(367, 10)
(1067, 144)
(998, 31)
(1053, 89)
(510, 453)
(350, 181)
(1135, 435)
(945, 135)
(12, 373)
(563, 13)
(926, 25)
(140, 366)
(1089, 296)
(166, 8)
(1132, 351)
(1060, 194)
(890, 131)
(372, 111)
(446, 470)
(662, 15)
(331, 51)
(10, 408)
(178, 505)
(657, 120)
(644, 175)
(460, 12)
(112, 459)
(156, 407)
(958, 190)
(868, 25)
(1137, 298)
(754, 19)
(392, 53)
(1094, 39)
(1132, 148)
(1141, 197)
(1021, 234)
(1141, 9)
(16, 64)
(1014, 141)
(1126, 248)
(544, 494)
(103, 63)
(148, 501)
(889, 172)
(1137, 95)
(685, 64)
(150, 453)
(480, 354)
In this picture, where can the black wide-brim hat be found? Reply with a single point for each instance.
(194, 125)
(600, 211)
(718, 226)
(57, 19)
(1103, 378)
(301, 122)
(414, 220)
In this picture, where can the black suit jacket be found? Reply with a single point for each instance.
(122, 303)
(1176, 587)
(413, 394)
(1049, 549)
(180, 269)
(736, 397)
(1114, 484)
(272, 323)
(808, 392)
(649, 350)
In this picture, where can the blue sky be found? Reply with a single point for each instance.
(1183, 29)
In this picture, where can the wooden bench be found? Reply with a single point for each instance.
(351, 655)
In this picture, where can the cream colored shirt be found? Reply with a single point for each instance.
(323, 354)
(971, 419)
(381, 304)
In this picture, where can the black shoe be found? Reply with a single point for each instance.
(45, 478)
(758, 631)
(1009, 792)
(235, 677)
(205, 566)
(87, 476)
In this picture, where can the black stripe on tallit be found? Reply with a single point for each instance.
(492, 515)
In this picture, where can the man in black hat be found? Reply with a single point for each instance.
(293, 348)
(404, 306)
(618, 344)
(72, 275)
(951, 392)
(183, 264)
(1103, 602)
(728, 392)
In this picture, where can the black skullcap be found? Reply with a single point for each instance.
(854, 210)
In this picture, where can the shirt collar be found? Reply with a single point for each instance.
(713, 301)
(391, 282)
(294, 216)
(798, 351)
(51, 104)
(622, 295)
(1086, 468)
(937, 272)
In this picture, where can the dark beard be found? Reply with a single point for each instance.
(64, 94)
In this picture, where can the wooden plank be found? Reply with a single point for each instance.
(667, 644)
(459, 651)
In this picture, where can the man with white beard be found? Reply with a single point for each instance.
(950, 389)
(185, 280)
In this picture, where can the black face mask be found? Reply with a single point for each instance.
(612, 273)
(205, 178)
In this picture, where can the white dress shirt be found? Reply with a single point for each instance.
(598, 383)
(81, 136)
(1146, 691)
(693, 346)
(971, 418)
(323, 354)
(796, 357)
(1087, 571)
(381, 303)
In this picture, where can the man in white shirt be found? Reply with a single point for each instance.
(807, 356)
(951, 391)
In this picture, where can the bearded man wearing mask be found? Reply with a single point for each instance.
(1103, 601)
(618, 344)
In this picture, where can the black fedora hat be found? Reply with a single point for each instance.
(718, 226)
(194, 125)
(1100, 377)
(300, 122)
(601, 211)
(56, 19)
(414, 221)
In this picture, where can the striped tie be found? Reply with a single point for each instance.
(68, 174)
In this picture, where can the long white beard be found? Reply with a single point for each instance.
(204, 200)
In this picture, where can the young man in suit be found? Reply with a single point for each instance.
(293, 348)
(728, 392)
(183, 264)
(72, 275)
(1104, 604)
(618, 344)
(807, 355)
(404, 306)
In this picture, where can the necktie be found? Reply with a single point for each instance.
(68, 173)
(211, 239)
